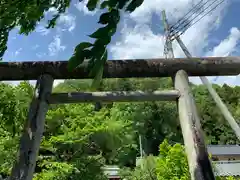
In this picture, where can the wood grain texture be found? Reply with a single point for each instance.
(119, 96)
(24, 167)
(199, 164)
(209, 66)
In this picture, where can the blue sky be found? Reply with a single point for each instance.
(139, 35)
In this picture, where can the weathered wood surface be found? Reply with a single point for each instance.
(209, 66)
(119, 96)
(30, 141)
(199, 164)
(220, 104)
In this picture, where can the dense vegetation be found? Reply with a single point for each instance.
(80, 138)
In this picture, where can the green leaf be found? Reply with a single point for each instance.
(98, 51)
(98, 63)
(100, 33)
(97, 70)
(73, 63)
(133, 5)
(112, 27)
(122, 3)
(83, 45)
(97, 79)
(104, 4)
(113, 3)
(92, 4)
(115, 15)
(105, 57)
(87, 53)
(103, 41)
(52, 22)
(79, 55)
(110, 17)
(104, 18)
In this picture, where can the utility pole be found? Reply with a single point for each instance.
(168, 50)
(141, 151)
(223, 108)
(140, 146)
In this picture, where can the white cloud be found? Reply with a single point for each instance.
(136, 38)
(35, 47)
(18, 51)
(41, 55)
(52, 11)
(81, 6)
(42, 30)
(65, 22)
(228, 45)
(225, 48)
(68, 22)
(144, 13)
(55, 46)
(141, 42)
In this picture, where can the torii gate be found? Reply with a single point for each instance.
(46, 72)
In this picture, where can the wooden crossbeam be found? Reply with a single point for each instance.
(209, 66)
(119, 96)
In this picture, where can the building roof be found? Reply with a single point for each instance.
(224, 149)
(227, 168)
(224, 168)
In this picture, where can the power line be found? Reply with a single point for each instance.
(181, 19)
(188, 21)
(189, 24)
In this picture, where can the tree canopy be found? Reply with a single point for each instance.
(78, 141)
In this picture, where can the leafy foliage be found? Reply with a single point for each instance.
(221, 132)
(172, 163)
(27, 14)
(78, 141)
(146, 171)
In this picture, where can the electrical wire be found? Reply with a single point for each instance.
(187, 21)
(190, 24)
(189, 15)
(194, 7)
